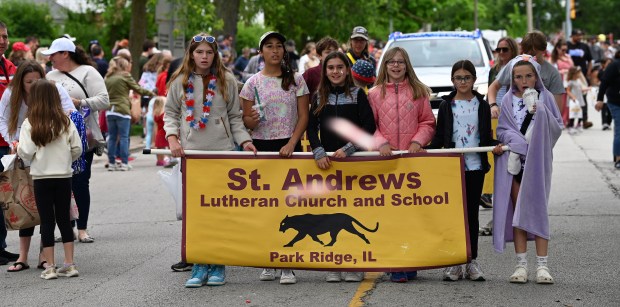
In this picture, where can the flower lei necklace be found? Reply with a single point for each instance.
(206, 105)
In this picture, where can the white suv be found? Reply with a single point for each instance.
(432, 55)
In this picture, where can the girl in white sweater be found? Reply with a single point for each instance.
(50, 141)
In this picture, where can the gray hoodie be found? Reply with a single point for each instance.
(224, 128)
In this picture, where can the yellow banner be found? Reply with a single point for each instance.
(364, 213)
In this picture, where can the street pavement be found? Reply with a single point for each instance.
(132, 218)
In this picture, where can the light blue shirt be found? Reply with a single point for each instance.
(465, 130)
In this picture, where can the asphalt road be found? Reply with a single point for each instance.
(138, 238)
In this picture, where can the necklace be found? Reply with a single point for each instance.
(206, 105)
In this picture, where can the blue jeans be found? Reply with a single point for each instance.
(118, 128)
(80, 185)
(150, 123)
(3, 151)
(615, 114)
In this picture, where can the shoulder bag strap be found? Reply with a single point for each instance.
(78, 82)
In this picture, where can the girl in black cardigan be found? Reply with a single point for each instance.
(464, 120)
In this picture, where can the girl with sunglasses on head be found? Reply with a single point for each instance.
(464, 120)
(275, 107)
(402, 112)
(202, 112)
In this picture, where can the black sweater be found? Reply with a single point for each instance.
(356, 109)
(445, 126)
(610, 83)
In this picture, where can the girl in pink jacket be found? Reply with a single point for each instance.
(401, 106)
(403, 114)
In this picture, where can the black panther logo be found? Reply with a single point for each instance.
(314, 225)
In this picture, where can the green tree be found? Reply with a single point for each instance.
(24, 19)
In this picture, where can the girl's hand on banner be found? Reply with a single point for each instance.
(248, 146)
(498, 151)
(175, 147)
(385, 150)
(323, 163)
(287, 150)
(339, 154)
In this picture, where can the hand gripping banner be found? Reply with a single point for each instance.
(366, 213)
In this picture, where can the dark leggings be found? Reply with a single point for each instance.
(273, 145)
(53, 197)
(606, 115)
(81, 192)
(474, 180)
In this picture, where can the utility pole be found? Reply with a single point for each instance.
(475, 14)
(568, 25)
(530, 17)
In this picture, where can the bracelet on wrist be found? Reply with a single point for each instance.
(494, 105)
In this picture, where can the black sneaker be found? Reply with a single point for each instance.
(182, 267)
(9, 256)
(486, 201)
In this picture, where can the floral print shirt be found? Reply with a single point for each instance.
(278, 105)
(465, 130)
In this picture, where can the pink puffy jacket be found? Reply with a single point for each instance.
(400, 119)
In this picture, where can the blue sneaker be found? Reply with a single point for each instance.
(398, 277)
(411, 274)
(217, 276)
(200, 272)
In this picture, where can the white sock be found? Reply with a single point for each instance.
(522, 259)
(541, 261)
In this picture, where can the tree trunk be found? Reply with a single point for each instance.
(137, 34)
(228, 11)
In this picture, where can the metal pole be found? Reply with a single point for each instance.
(475, 14)
(569, 25)
(530, 18)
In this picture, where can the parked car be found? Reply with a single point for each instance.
(432, 55)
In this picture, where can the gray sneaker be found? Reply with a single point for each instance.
(68, 271)
(288, 277)
(268, 275)
(333, 277)
(473, 271)
(49, 273)
(353, 276)
(453, 273)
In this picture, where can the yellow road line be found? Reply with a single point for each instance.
(366, 285)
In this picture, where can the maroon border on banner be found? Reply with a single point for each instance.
(347, 159)
(183, 239)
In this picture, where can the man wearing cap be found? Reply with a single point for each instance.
(7, 70)
(580, 53)
(359, 46)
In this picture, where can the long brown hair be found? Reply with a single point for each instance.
(153, 64)
(118, 65)
(18, 93)
(325, 84)
(188, 66)
(419, 89)
(45, 113)
(555, 55)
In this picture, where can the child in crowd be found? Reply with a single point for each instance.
(363, 74)
(13, 110)
(402, 112)
(337, 97)
(50, 141)
(119, 81)
(275, 107)
(522, 185)
(160, 136)
(464, 120)
(575, 90)
(202, 112)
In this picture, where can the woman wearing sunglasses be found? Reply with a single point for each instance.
(203, 113)
(507, 49)
(563, 62)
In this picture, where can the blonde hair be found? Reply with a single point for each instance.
(158, 105)
(419, 89)
(118, 65)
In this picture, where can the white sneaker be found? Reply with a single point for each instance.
(333, 277)
(268, 275)
(68, 271)
(353, 276)
(519, 276)
(453, 273)
(49, 273)
(473, 271)
(580, 129)
(124, 167)
(287, 277)
(543, 276)
(571, 130)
